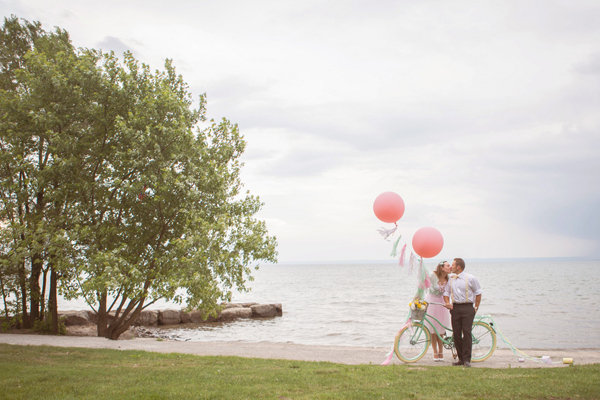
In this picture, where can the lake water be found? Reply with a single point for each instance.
(535, 304)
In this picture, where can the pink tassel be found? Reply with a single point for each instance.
(388, 359)
(402, 255)
(390, 355)
(427, 282)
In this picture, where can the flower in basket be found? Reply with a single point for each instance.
(418, 304)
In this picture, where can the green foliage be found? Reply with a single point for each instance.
(45, 326)
(110, 177)
(32, 372)
(9, 323)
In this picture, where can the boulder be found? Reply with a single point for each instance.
(185, 316)
(227, 306)
(147, 318)
(196, 317)
(82, 330)
(266, 310)
(236, 312)
(75, 318)
(128, 334)
(169, 317)
(230, 311)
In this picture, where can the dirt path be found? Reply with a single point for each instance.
(502, 358)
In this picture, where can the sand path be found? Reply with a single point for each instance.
(502, 358)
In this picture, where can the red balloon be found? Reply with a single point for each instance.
(388, 207)
(427, 242)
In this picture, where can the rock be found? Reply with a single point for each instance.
(93, 317)
(230, 311)
(227, 306)
(196, 317)
(147, 318)
(186, 317)
(82, 330)
(169, 317)
(266, 310)
(128, 334)
(75, 318)
(234, 313)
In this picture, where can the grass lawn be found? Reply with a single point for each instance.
(41, 372)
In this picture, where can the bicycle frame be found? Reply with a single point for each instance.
(413, 339)
(448, 340)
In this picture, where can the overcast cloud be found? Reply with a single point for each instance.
(484, 116)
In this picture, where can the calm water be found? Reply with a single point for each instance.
(535, 304)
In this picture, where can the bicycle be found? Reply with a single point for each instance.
(412, 341)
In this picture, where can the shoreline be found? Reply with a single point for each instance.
(502, 358)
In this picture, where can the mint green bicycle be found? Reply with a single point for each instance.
(412, 342)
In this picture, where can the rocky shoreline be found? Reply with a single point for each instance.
(83, 323)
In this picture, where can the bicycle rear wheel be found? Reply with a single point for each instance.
(412, 342)
(484, 341)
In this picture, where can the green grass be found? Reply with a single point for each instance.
(32, 372)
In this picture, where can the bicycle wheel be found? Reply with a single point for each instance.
(484, 341)
(412, 342)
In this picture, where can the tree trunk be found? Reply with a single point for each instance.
(120, 325)
(27, 322)
(4, 299)
(43, 295)
(34, 287)
(101, 325)
(52, 300)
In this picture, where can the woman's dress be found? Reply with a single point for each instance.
(436, 294)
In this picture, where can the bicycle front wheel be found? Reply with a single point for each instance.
(412, 342)
(484, 341)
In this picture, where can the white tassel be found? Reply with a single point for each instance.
(386, 233)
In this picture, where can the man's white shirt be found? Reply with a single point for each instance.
(462, 288)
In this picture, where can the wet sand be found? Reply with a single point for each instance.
(502, 358)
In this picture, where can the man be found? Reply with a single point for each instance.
(464, 290)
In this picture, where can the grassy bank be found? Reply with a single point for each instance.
(31, 372)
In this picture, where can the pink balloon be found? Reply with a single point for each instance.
(427, 242)
(388, 207)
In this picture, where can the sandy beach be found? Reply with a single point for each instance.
(502, 358)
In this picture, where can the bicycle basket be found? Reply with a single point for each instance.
(419, 314)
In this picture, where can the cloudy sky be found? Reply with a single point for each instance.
(483, 115)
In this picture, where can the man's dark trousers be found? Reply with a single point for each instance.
(462, 324)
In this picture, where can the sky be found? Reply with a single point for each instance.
(484, 116)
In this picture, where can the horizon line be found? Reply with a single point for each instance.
(473, 259)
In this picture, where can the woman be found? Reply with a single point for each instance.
(439, 279)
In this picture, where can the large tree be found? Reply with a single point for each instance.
(143, 201)
(36, 102)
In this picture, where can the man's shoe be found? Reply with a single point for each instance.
(467, 364)
(457, 363)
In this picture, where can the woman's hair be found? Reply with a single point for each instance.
(440, 269)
